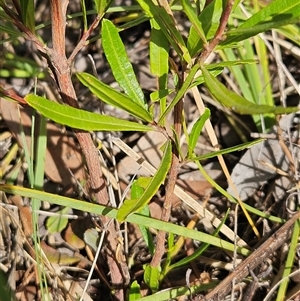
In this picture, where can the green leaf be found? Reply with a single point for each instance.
(84, 15)
(185, 86)
(120, 65)
(134, 218)
(236, 102)
(190, 12)
(209, 20)
(200, 250)
(227, 150)
(196, 130)
(151, 277)
(134, 205)
(134, 291)
(80, 119)
(113, 97)
(278, 13)
(147, 235)
(168, 27)
(137, 190)
(27, 11)
(101, 6)
(159, 52)
(159, 60)
(57, 223)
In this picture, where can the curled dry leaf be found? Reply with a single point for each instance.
(63, 161)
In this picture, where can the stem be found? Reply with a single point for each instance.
(175, 165)
(218, 35)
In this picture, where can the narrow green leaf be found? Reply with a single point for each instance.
(168, 27)
(200, 250)
(80, 119)
(190, 12)
(236, 102)
(137, 190)
(151, 277)
(278, 13)
(196, 130)
(113, 97)
(159, 51)
(134, 205)
(180, 93)
(120, 65)
(159, 60)
(57, 223)
(289, 263)
(228, 150)
(134, 218)
(209, 20)
(27, 11)
(84, 15)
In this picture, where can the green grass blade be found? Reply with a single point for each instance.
(80, 119)
(236, 102)
(120, 65)
(113, 97)
(133, 218)
(289, 262)
(134, 205)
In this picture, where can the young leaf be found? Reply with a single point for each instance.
(80, 119)
(168, 27)
(113, 97)
(151, 277)
(134, 291)
(134, 205)
(137, 190)
(57, 223)
(27, 11)
(120, 65)
(196, 130)
(180, 93)
(101, 6)
(190, 12)
(236, 102)
(209, 20)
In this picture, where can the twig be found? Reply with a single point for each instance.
(253, 261)
(83, 39)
